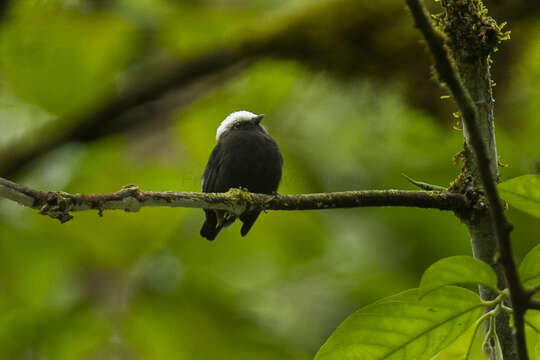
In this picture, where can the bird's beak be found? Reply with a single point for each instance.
(257, 119)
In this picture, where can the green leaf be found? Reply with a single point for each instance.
(529, 269)
(457, 270)
(404, 327)
(522, 193)
(532, 319)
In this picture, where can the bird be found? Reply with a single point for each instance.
(245, 157)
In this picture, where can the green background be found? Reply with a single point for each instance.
(145, 285)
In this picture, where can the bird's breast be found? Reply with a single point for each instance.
(250, 160)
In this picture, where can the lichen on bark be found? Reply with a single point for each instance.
(472, 37)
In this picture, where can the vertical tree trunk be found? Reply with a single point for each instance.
(472, 38)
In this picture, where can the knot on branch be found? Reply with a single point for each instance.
(476, 202)
(57, 205)
(131, 197)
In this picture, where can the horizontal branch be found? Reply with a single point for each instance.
(58, 204)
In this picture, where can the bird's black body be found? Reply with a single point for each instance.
(245, 157)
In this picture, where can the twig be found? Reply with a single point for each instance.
(424, 185)
(448, 73)
(59, 204)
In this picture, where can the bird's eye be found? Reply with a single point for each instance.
(237, 125)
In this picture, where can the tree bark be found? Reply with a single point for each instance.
(472, 37)
(461, 46)
(58, 205)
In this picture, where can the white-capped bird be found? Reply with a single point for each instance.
(245, 157)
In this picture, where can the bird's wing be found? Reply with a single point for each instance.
(208, 182)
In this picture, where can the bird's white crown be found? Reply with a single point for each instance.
(233, 119)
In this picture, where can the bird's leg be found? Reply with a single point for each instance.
(223, 217)
(219, 216)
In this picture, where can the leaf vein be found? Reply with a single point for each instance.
(427, 331)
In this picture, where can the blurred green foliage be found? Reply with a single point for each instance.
(145, 285)
(66, 64)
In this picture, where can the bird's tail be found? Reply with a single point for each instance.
(248, 221)
(210, 228)
(209, 232)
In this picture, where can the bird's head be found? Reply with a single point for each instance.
(240, 120)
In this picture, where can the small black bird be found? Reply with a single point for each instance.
(245, 157)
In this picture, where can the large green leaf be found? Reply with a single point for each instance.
(522, 193)
(532, 318)
(457, 270)
(404, 327)
(529, 269)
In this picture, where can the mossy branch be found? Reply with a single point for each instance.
(59, 205)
